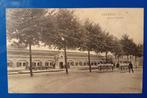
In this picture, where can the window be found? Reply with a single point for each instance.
(46, 63)
(84, 63)
(25, 64)
(91, 63)
(76, 63)
(51, 63)
(33, 64)
(39, 64)
(80, 63)
(18, 64)
(95, 63)
(72, 63)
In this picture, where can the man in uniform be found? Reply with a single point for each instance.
(131, 67)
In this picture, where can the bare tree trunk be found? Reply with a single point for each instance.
(118, 59)
(30, 54)
(65, 58)
(89, 61)
(115, 56)
(106, 56)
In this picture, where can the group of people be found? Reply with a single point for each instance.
(130, 67)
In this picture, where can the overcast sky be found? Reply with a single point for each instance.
(117, 21)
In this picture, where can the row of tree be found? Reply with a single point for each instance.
(60, 28)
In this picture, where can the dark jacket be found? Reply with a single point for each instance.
(130, 65)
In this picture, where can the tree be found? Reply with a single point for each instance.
(117, 48)
(91, 38)
(65, 33)
(128, 46)
(23, 25)
(107, 44)
(139, 50)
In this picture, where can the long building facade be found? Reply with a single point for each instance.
(19, 58)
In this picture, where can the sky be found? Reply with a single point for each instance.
(117, 21)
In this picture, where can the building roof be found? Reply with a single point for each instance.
(20, 51)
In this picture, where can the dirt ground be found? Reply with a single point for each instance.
(77, 82)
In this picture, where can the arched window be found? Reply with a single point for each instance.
(51, 63)
(95, 63)
(39, 63)
(76, 63)
(80, 63)
(24, 64)
(19, 64)
(72, 63)
(46, 63)
(91, 63)
(33, 64)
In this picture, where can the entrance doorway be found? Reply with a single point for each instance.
(61, 65)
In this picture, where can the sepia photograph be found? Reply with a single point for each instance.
(75, 50)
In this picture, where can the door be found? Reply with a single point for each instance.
(61, 65)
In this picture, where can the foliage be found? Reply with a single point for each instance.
(117, 48)
(139, 50)
(91, 36)
(128, 46)
(63, 28)
(24, 25)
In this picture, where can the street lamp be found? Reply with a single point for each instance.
(65, 56)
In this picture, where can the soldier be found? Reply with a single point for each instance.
(131, 67)
(117, 65)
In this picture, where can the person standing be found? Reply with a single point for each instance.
(131, 67)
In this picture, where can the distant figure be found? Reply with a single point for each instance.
(131, 67)
(117, 65)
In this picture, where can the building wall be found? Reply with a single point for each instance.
(21, 60)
